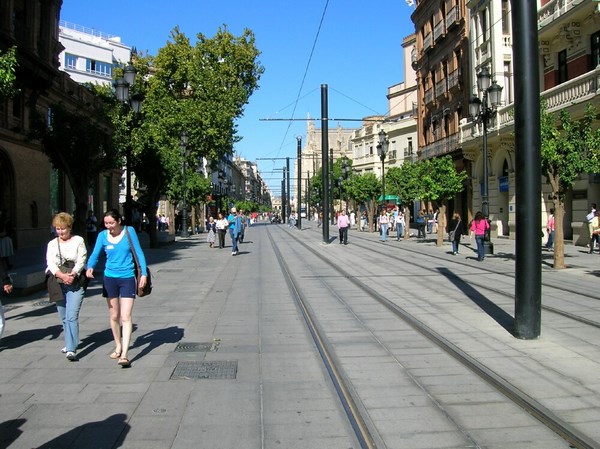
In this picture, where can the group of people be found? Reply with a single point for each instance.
(69, 270)
(236, 223)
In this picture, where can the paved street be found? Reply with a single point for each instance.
(220, 357)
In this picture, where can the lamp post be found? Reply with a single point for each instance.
(482, 111)
(345, 174)
(183, 146)
(382, 149)
(134, 102)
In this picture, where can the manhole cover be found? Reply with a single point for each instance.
(42, 303)
(205, 370)
(193, 347)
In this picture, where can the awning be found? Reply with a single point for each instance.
(389, 198)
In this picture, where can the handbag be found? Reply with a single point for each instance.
(451, 234)
(146, 289)
(65, 266)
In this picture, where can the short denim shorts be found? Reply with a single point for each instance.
(119, 287)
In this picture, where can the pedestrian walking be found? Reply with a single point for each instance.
(6, 288)
(6, 243)
(65, 259)
(421, 224)
(243, 226)
(235, 224)
(479, 227)
(352, 219)
(455, 232)
(211, 227)
(400, 224)
(550, 231)
(91, 228)
(118, 242)
(342, 223)
(221, 226)
(594, 229)
(384, 222)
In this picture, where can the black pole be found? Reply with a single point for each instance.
(128, 197)
(308, 195)
(287, 191)
(299, 183)
(528, 272)
(331, 190)
(325, 162)
(283, 198)
(485, 196)
(383, 180)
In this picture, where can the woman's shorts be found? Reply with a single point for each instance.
(119, 287)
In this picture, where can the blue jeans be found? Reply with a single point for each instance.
(234, 241)
(68, 311)
(383, 227)
(1, 319)
(399, 231)
(550, 242)
(455, 246)
(480, 249)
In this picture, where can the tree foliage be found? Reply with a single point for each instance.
(198, 89)
(365, 189)
(8, 66)
(569, 148)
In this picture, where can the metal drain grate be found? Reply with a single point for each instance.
(42, 303)
(10, 307)
(205, 370)
(193, 347)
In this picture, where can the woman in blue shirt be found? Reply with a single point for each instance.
(119, 285)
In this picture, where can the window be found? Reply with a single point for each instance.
(505, 17)
(562, 73)
(595, 50)
(99, 68)
(70, 61)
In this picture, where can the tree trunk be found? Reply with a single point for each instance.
(80, 213)
(371, 210)
(151, 209)
(407, 221)
(559, 237)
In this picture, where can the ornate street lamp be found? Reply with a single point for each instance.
(482, 111)
(134, 102)
(382, 149)
(185, 152)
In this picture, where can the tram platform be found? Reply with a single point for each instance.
(222, 359)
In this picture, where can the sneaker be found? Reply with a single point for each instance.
(71, 356)
(64, 350)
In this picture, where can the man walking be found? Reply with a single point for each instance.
(342, 223)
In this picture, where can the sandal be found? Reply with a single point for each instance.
(124, 362)
(115, 355)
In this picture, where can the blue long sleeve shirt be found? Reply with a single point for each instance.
(119, 259)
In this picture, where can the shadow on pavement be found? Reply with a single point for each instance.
(10, 431)
(497, 313)
(154, 339)
(25, 337)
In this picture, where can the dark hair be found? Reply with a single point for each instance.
(478, 216)
(114, 213)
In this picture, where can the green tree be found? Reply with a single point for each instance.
(78, 143)
(441, 182)
(365, 189)
(405, 182)
(569, 148)
(8, 66)
(198, 89)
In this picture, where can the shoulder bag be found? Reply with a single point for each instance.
(146, 289)
(451, 234)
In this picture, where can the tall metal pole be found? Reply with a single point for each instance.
(383, 179)
(485, 196)
(528, 272)
(308, 195)
(299, 183)
(283, 197)
(128, 197)
(287, 190)
(331, 182)
(325, 162)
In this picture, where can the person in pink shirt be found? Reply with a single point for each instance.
(343, 222)
(479, 226)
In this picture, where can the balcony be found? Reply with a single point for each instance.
(454, 79)
(427, 42)
(554, 10)
(429, 96)
(453, 17)
(441, 88)
(440, 147)
(439, 31)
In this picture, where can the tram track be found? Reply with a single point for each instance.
(474, 283)
(363, 428)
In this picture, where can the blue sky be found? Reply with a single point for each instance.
(358, 54)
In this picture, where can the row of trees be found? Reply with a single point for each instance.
(570, 148)
(199, 89)
(432, 180)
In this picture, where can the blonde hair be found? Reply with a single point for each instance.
(62, 220)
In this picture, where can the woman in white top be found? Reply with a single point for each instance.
(67, 250)
(384, 222)
(222, 225)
